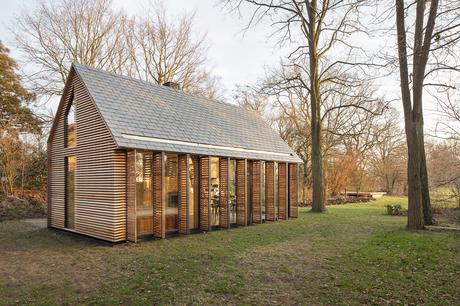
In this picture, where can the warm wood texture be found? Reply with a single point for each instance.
(269, 191)
(256, 200)
(283, 190)
(100, 176)
(183, 194)
(241, 192)
(224, 192)
(293, 191)
(205, 194)
(159, 222)
(131, 231)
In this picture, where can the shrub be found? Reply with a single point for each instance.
(394, 210)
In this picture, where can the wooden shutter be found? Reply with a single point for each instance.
(224, 192)
(158, 203)
(293, 191)
(256, 205)
(241, 192)
(205, 194)
(282, 191)
(270, 191)
(183, 193)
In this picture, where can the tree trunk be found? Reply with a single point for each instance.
(318, 198)
(426, 202)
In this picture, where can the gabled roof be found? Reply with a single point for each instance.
(144, 115)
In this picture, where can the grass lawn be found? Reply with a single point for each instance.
(353, 254)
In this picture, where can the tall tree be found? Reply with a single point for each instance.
(15, 118)
(313, 28)
(419, 211)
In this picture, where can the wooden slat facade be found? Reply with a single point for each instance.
(293, 191)
(159, 220)
(241, 192)
(100, 172)
(283, 191)
(256, 200)
(269, 191)
(224, 192)
(205, 193)
(183, 194)
(105, 181)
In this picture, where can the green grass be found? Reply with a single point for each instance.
(353, 254)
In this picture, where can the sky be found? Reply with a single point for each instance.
(235, 56)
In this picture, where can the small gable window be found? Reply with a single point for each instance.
(70, 139)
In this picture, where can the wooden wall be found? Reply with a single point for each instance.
(293, 191)
(100, 175)
(224, 192)
(283, 190)
(205, 194)
(269, 191)
(241, 192)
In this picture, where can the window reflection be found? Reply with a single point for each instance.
(171, 193)
(70, 124)
(144, 193)
(70, 192)
(215, 205)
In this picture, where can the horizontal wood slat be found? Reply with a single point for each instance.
(241, 192)
(293, 191)
(224, 192)
(205, 193)
(282, 191)
(269, 191)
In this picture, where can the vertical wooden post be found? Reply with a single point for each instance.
(293, 191)
(241, 192)
(224, 192)
(256, 200)
(131, 218)
(183, 194)
(269, 191)
(282, 191)
(159, 222)
(205, 193)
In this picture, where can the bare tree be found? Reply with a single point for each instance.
(162, 50)
(314, 28)
(433, 30)
(58, 33)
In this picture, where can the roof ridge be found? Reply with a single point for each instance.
(162, 87)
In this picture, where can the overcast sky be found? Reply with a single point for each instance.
(235, 57)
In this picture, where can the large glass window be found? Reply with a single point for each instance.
(262, 189)
(232, 187)
(70, 138)
(70, 164)
(171, 192)
(215, 205)
(144, 193)
(277, 205)
(194, 208)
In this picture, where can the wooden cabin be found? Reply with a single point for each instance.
(128, 159)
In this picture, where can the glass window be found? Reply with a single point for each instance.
(232, 187)
(262, 189)
(144, 193)
(215, 205)
(70, 124)
(171, 193)
(194, 209)
(277, 206)
(70, 164)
